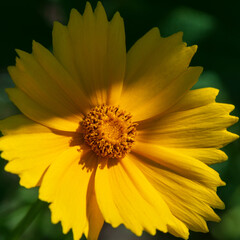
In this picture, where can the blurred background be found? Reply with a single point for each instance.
(213, 25)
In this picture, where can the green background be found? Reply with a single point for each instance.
(213, 25)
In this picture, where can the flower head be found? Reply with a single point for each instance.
(116, 137)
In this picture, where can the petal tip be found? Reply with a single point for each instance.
(99, 5)
(100, 13)
(156, 31)
(74, 14)
(234, 136)
(180, 34)
(194, 48)
(117, 16)
(222, 183)
(74, 11)
(20, 52)
(235, 119)
(57, 25)
(88, 9)
(35, 46)
(199, 69)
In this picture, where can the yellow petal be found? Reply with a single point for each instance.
(63, 50)
(61, 78)
(30, 148)
(40, 114)
(19, 124)
(145, 102)
(212, 139)
(181, 164)
(156, 58)
(195, 98)
(105, 199)
(207, 155)
(65, 185)
(94, 215)
(99, 53)
(155, 74)
(214, 116)
(188, 200)
(141, 51)
(127, 197)
(41, 86)
(117, 64)
(201, 127)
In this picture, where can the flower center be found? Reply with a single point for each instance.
(109, 131)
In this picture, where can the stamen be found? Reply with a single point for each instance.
(109, 131)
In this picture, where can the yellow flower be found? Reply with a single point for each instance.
(116, 137)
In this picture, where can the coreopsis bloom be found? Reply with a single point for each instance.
(116, 137)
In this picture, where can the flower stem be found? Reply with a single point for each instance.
(27, 220)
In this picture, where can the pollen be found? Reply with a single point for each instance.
(109, 131)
